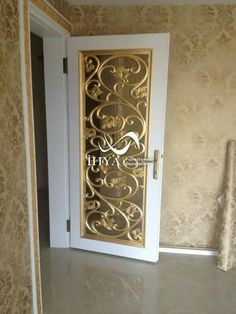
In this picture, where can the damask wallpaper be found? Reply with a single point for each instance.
(15, 274)
(62, 6)
(200, 108)
(200, 119)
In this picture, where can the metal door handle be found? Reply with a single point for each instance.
(156, 164)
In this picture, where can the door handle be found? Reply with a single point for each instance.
(156, 164)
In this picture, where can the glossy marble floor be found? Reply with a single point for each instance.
(79, 282)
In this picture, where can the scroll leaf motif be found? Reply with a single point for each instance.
(107, 222)
(137, 234)
(122, 73)
(89, 66)
(131, 211)
(140, 92)
(92, 205)
(89, 133)
(119, 182)
(95, 91)
(110, 121)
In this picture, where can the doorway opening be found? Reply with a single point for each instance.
(41, 151)
(40, 132)
(47, 151)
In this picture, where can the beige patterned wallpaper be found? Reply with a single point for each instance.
(61, 6)
(15, 276)
(201, 106)
(200, 118)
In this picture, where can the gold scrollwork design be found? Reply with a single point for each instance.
(115, 95)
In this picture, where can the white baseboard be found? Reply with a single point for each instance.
(188, 251)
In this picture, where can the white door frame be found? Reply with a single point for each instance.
(54, 45)
(54, 40)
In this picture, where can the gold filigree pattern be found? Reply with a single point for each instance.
(115, 102)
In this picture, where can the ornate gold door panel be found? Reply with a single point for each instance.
(112, 113)
(115, 100)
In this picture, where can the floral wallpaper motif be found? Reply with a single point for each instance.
(200, 107)
(15, 274)
(61, 6)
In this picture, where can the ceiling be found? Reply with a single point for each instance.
(142, 2)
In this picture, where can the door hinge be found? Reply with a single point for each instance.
(65, 65)
(68, 225)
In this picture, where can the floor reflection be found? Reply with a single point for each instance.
(82, 282)
(79, 282)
